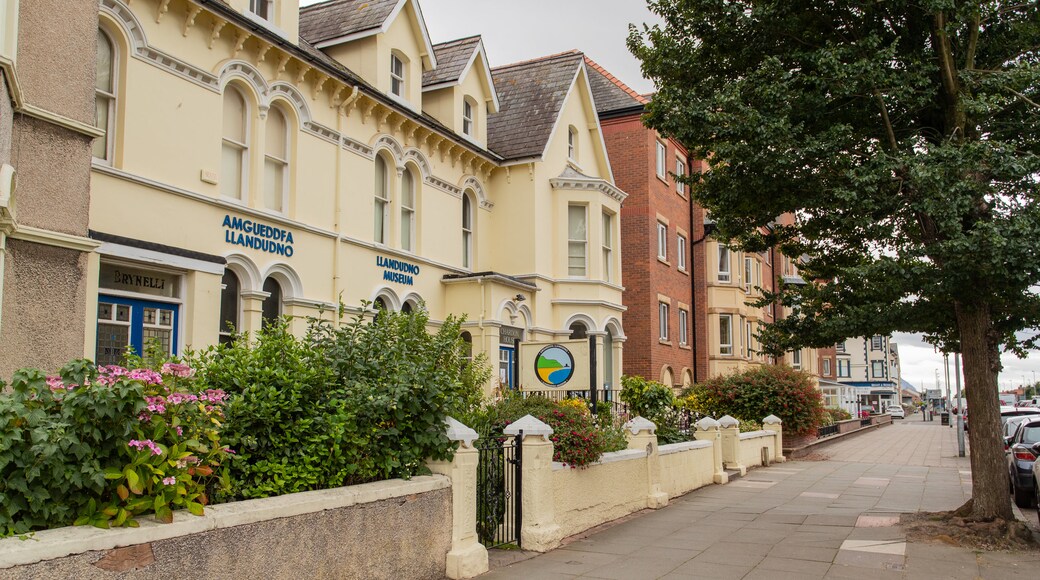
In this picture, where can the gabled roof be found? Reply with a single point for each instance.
(532, 93)
(610, 93)
(337, 21)
(454, 61)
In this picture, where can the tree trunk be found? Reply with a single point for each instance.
(981, 363)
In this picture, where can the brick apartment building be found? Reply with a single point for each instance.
(662, 235)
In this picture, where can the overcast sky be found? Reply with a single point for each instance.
(515, 31)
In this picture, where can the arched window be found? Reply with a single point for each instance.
(667, 377)
(397, 75)
(105, 96)
(235, 145)
(380, 304)
(579, 330)
(408, 211)
(467, 230)
(572, 143)
(467, 346)
(229, 306)
(382, 201)
(272, 306)
(407, 308)
(276, 160)
(468, 109)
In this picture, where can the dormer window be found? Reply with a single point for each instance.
(467, 116)
(262, 8)
(396, 75)
(572, 143)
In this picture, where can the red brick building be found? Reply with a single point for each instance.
(662, 233)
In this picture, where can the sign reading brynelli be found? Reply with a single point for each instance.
(556, 365)
(115, 277)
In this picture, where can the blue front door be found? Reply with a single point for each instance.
(129, 322)
(506, 363)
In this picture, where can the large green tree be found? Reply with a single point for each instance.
(904, 137)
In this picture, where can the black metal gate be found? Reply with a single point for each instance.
(498, 490)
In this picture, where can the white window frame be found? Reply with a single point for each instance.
(825, 368)
(662, 168)
(383, 197)
(662, 241)
(749, 272)
(873, 369)
(574, 243)
(840, 347)
(877, 342)
(681, 250)
(796, 359)
(396, 76)
(844, 370)
(680, 171)
(684, 327)
(608, 247)
(111, 98)
(243, 147)
(467, 232)
(467, 117)
(726, 338)
(662, 321)
(725, 275)
(572, 143)
(748, 337)
(266, 6)
(408, 213)
(284, 163)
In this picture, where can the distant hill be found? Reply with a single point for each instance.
(908, 387)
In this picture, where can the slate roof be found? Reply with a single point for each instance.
(609, 92)
(530, 94)
(451, 60)
(336, 18)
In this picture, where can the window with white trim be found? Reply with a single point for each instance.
(825, 369)
(397, 72)
(681, 250)
(271, 307)
(662, 320)
(234, 145)
(382, 201)
(105, 97)
(844, 368)
(572, 143)
(876, 342)
(577, 240)
(680, 171)
(684, 330)
(840, 347)
(467, 230)
(262, 8)
(724, 271)
(749, 272)
(408, 211)
(726, 334)
(662, 241)
(467, 116)
(230, 289)
(796, 359)
(748, 337)
(608, 247)
(276, 160)
(662, 165)
(877, 369)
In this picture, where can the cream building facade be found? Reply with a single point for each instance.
(263, 160)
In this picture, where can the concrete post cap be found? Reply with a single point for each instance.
(772, 420)
(530, 426)
(637, 424)
(726, 422)
(707, 424)
(458, 432)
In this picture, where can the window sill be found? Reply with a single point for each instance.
(662, 178)
(664, 341)
(683, 271)
(685, 347)
(664, 261)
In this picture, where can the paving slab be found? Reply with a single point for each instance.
(804, 520)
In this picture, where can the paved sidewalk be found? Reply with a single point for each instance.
(799, 520)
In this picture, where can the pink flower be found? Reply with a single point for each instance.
(156, 404)
(213, 396)
(179, 430)
(230, 450)
(169, 480)
(140, 445)
(56, 384)
(147, 376)
(177, 370)
(178, 398)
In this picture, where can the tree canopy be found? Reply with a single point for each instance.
(904, 137)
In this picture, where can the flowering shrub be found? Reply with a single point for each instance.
(765, 390)
(838, 414)
(101, 445)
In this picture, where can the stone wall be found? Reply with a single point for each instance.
(388, 529)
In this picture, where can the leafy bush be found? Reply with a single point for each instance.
(761, 391)
(748, 426)
(647, 399)
(578, 438)
(102, 445)
(838, 414)
(342, 405)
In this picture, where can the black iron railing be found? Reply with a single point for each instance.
(499, 490)
(828, 430)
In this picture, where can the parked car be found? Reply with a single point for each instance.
(1006, 412)
(897, 411)
(1011, 426)
(1023, 449)
(1036, 482)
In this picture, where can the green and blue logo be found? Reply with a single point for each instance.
(554, 365)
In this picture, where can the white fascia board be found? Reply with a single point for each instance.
(422, 28)
(599, 127)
